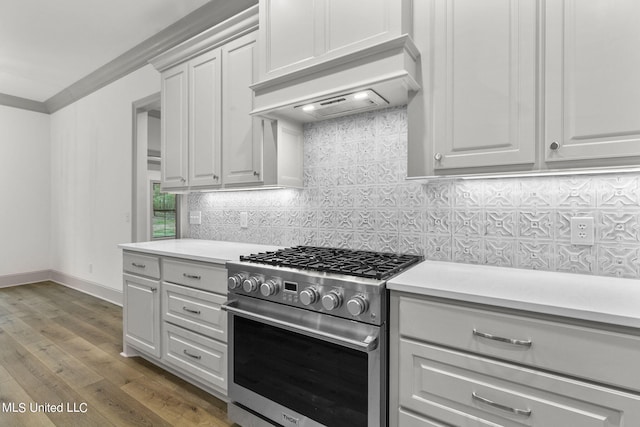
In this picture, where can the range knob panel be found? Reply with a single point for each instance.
(234, 281)
(251, 284)
(268, 288)
(357, 305)
(332, 300)
(309, 296)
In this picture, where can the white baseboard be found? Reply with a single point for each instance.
(24, 278)
(97, 290)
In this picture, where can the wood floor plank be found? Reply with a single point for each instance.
(84, 330)
(47, 328)
(117, 372)
(12, 393)
(43, 387)
(65, 366)
(162, 399)
(57, 344)
(122, 411)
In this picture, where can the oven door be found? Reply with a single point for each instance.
(301, 368)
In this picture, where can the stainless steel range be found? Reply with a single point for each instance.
(308, 335)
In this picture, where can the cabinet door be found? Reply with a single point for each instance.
(174, 128)
(142, 314)
(484, 77)
(241, 133)
(287, 34)
(205, 98)
(592, 87)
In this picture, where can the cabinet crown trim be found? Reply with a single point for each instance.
(234, 27)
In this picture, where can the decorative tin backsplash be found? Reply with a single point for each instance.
(355, 196)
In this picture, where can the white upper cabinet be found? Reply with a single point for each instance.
(242, 133)
(299, 33)
(174, 138)
(210, 139)
(205, 88)
(482, 56)
(525, 85)
(592, 80)
(484, 83)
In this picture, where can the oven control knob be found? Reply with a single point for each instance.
(268, 288)
(332, 300)
(235, 281)
(357, 305)
(309, 296)
(251, 284)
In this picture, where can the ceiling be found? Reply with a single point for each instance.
(47, 45)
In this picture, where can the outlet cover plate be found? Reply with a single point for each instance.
(582, 232)
(195, 217)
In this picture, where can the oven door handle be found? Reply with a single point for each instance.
(369, 344)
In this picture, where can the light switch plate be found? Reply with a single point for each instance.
(195, 217)
(582, 230)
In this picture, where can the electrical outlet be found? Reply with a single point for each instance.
(195, 217)
(244, 220)
(582, 230)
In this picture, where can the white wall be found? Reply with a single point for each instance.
(91, 151)
(24, 191)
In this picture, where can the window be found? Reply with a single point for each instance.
(164, 214)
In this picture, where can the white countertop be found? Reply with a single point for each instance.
(593, 298)
(199, 250)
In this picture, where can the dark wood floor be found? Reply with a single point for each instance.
(60, 346)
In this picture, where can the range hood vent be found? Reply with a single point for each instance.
(379, 76)
(349, 103)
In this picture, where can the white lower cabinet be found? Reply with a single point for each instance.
(443, 373)
(141, 314)
(195, 354)
(174, 318)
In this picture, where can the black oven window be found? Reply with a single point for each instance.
(323, 381)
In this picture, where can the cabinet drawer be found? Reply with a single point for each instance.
(594, 354)
(143, 265)
(201, 357)
(196, 310)
(407, 419)
(195, 274)
(463, 389)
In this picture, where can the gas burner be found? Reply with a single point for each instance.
(367, 264)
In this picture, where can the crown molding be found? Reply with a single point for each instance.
(212, 13)
(23, 103)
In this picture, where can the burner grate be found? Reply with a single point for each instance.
(368, 264)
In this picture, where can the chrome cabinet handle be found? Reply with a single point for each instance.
(195, 356)
(523, 343)
(554, 146)
(256, 173)
(138, 265)
(215, 176)
(183, 179)
(191, 276)
(188, 310)
(523, 412)
(154, 289)
(438, 157)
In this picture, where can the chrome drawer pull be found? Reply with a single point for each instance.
(195, 356)
(191, 276)
(523, 412)
(138, 265)
(523, 343)
(188, 310)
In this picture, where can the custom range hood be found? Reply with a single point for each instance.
(379, 76)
